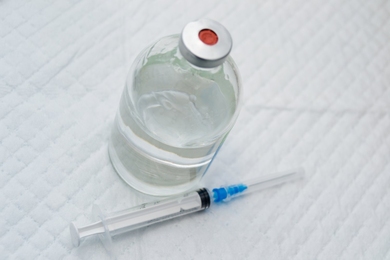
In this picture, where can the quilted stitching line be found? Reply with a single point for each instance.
(345, 190)
(355, 78)
(46, 65)
(307, 184)
(43, 202)
(112, 17)
(300, 194)
(270, 36)
(248, 78)
(364, 250)
(58, 115)
(317, 53)
(374, 70)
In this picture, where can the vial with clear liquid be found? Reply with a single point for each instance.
(181, 99)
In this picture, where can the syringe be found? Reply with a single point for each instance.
(109, 225)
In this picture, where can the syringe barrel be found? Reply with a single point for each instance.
(154, 212)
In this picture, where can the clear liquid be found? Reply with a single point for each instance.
(177, 119)
(168, 129)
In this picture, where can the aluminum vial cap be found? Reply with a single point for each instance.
(205, 43)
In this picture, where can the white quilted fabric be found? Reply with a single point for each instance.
(316, 77)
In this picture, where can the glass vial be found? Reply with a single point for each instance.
(181, 99)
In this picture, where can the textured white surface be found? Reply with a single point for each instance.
(316, 76)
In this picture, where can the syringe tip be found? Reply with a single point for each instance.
(223, 193)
